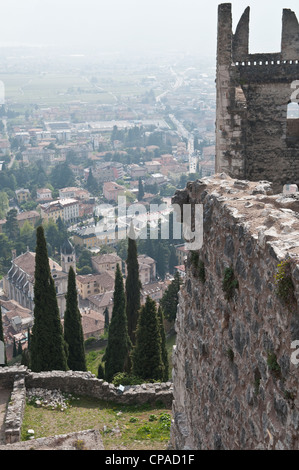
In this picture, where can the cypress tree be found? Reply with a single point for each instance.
(106, 316)
(119, 343)
(147, 356)
(14, 349)
(47, 348)
(73, 333)
(170, 299)
(2, 339)
(164, 353)
(173, 260)
(28, 338)
(161, 255)
(20, 349)
(133, 288)
(101, 372)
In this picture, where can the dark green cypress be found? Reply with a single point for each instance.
(147, 355)
(164, 353)
(47, 348)
(14, 349)
(106, 316)
(172, 260)
(119, 345)
(101, 372)
(2, 339)
(20, 349)
(73, 333)
(133, 288)
(28, 338)
(170, 299)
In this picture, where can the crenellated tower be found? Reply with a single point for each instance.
(256, 138)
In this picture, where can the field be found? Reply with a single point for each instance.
(56, 89)
(122, 427)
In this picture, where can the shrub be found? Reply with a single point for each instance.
(80, 445)
(229, 283)
(230, 354)
(198, 266)
(256, 386)
(101, 371)
(123, 378)
(133, 419)
(284, 284)
(152, 418)
(89, 342)
(273, 364)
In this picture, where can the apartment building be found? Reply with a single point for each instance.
(66, 209)
(44, 194)
(112, 191)
(106, 262)
(92, 284)
(22, 195)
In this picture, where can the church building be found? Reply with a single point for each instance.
(18, 285)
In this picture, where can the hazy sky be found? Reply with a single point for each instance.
(144, 25)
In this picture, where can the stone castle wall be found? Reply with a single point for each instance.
(235, 386)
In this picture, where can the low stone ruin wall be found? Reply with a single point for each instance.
(18, 379)
(15, 411)
(84, 383)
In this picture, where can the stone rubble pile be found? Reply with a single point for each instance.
(52, 399)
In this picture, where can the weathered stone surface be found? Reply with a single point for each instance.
(227, 392)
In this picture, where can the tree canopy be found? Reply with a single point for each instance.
(147, 360)
(73, 333)
(48, 349)
(119, 344)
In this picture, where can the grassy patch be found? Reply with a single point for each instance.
(93, 359)
(131, 427)
(170, 342)
(284, 285)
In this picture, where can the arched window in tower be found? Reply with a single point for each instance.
(293, 111)
(292, 131)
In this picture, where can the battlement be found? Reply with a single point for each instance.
(254, 139)
(261, 60)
